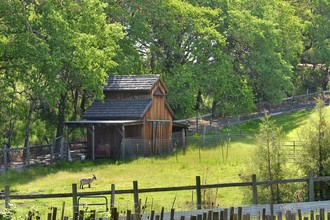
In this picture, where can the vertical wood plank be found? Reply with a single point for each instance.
(311, 186)
(312, 215)
(54, 213)
(231, 216)
(239, 213)
(222, 215)
(136, 197)
(172, 214)
(128, 215)
(74, 199)
(322, 217)
(162, 214)
(299, 214)
(198, 193)
(254, 189)
(62, 213)
(7, 196)
(112, 199)
(152, 215)
(215, 216)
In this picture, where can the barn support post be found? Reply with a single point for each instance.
(311, 186)
(7, 196)
(62, 148)
(123, 149)
(112, 199)
(93, 142)
(254, 189)
(136, 197)
(184, 141)
(75, 206)
(198, 193)
(67, 142)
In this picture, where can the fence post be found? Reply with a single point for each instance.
(254, 189)
(203, 136)
(51, 152)
(28, 154)
(311, 186)
(7, 196)
(62, 148)
(75, 200)
(112, 199)
(5, 159)
(136, 197)
(198, 192)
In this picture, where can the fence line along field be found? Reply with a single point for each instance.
(98, 200)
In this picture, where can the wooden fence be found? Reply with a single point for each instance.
(76, 196)
(224, 214)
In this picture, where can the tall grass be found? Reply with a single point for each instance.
(175, 170)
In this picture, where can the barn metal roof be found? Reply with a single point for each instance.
(118, 109)
(87, 123)
(131, 82)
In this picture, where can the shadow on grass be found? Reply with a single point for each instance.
(15, 177)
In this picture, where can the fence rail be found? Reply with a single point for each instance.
(7, 196)
(20, 158)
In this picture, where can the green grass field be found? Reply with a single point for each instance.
(210, 163)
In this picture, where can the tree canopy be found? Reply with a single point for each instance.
(215, 56)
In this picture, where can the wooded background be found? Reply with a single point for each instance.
(215, 56)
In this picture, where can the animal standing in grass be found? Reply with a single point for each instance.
(85, 181)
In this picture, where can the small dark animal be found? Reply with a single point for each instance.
(86, 181)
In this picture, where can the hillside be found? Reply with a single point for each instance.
(219, 163)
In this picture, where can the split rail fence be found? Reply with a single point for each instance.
(76, 196)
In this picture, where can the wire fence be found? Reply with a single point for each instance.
(136, 147)
(290, 104)
(23, 157)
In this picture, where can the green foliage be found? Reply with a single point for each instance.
(316, 150)
(56, 55)
(269, 159)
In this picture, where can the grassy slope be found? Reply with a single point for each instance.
(176, 170)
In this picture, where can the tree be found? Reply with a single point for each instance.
(260, 42)
(316, 136)
(313, 72)
(269, 159)
(56, 52)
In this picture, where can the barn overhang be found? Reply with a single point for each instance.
(91, 124)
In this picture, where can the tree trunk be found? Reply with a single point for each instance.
(27, 129)
(60, 122)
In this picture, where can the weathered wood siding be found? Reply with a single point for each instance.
(158, 111)
(158, 119)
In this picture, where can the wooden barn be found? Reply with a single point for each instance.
(133, 119)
